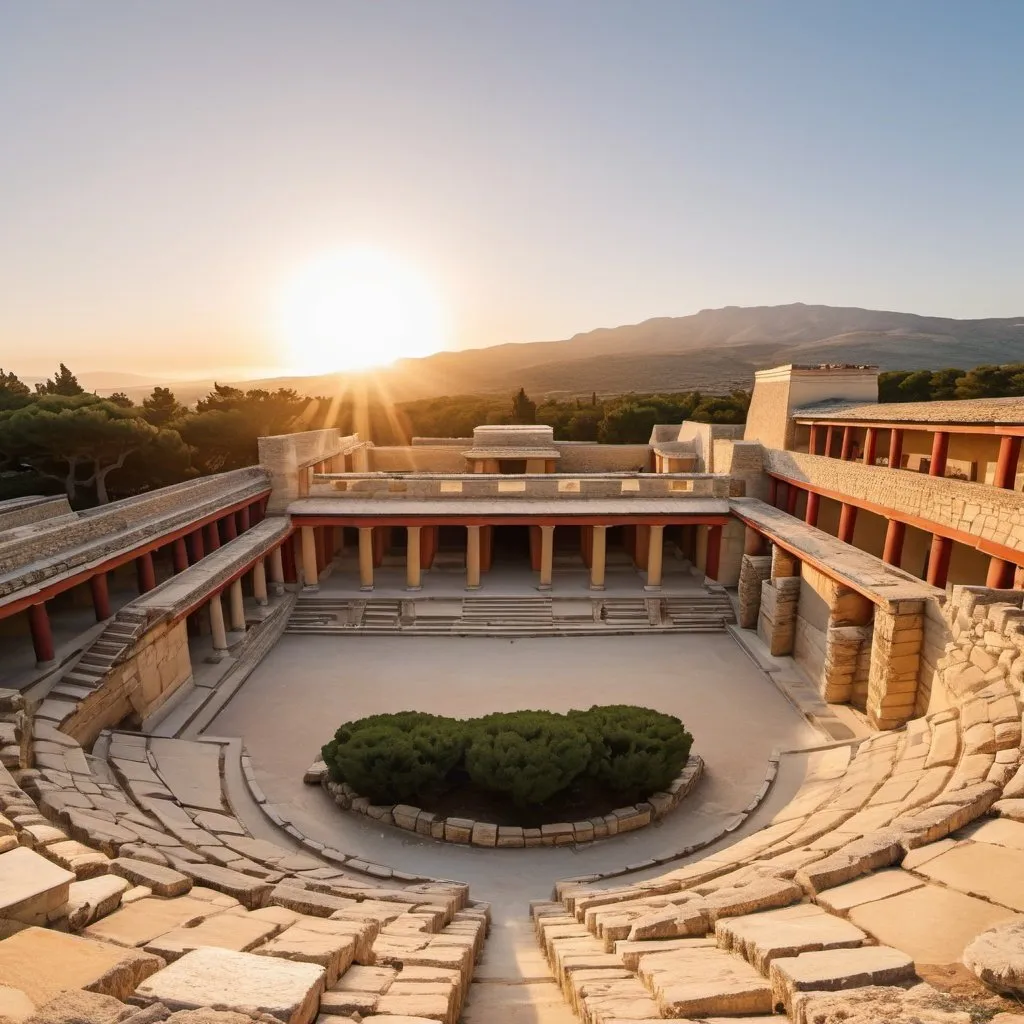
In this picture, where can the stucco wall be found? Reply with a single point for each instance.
(703, 437)
(768, 416)
(156, 668)
(812, 615)
(283, 456)
(583, 457)
(418, 459)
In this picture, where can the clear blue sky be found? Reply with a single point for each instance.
(551, 165)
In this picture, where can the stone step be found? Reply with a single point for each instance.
(704, 981)
(32, 889)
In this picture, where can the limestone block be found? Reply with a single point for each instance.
(874, 887)
(15, 1006)
(832, 970)
(997, 957)
(484, 834)
(225, 931)
(284, 989)
(250, 892)
(80, 1007)
(92, 899)
(981, 869)
(27, 962)
(333, 952)
(142, 921)
(458, 830)
(163, 881)
(920, 1004)
(32, 889)
(870, 852)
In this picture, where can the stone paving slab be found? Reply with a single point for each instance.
(878, 886)
(932, 924)
(32, 889)
(981, 869)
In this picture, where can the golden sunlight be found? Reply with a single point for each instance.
(357, 308)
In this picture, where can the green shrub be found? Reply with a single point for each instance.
(396, 758)
(634, 751)
(528, 755)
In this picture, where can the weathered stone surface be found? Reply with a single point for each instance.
(27, 962)
(250, 892)
(333, 952)
(163, 881)
(997, 957)
(877, 886)
(805, 928)
(920, 1004)
(32, 889)
(93, 898)
(225, 931)
(832, 970)
(79, 1007)
(932, 924)
(74, 856)
(145, 919)
(223, 978)
(876, 850)
(993, 872)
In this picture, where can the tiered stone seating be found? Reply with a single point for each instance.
(814, 903)
(135, 876)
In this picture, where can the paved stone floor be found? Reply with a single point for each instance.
(307, 686)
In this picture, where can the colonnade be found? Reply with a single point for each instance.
(422, 541)
(186, 549)
(785, 494)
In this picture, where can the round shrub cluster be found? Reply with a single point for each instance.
(529, 757)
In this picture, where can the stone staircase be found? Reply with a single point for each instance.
(117, 638)
(711, 608)
(527, 615)
(625, 611)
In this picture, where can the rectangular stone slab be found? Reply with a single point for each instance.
(225, 931)
(877, 886)
(286, 990)
(42, 963)
(981, 869)
(32, 888)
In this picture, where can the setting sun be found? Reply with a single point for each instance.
(357, 308)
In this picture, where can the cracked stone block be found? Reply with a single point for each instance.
(225, 931)
(334, 953)
(32, 889)
(142, 921)
(205, 977)
(163, 881)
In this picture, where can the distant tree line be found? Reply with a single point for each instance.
(987, 381)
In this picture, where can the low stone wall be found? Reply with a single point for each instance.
(467, 832)
(34, 509)
(585, 457)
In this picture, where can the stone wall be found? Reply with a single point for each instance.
(985, 513)
(156, 668)
(285, 456)
(22, 511)
(585, 457)
(768, 416)
(419, 458)
(703, 437)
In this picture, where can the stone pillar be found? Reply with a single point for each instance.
(230, 527)
(212, 537)
(259, 582)
(179, 555)
(100, 596)
(598, 555)
(655, 554)
(895, 531)
(277, 571)
(412, 558)
(713, 557)
(847, 522)
(813, 507)
(1000, 574)
(896, 641)
(754, 570)
(1006, 466)
(237, 606)
(145, 573)
(783, 563)
(896, 448)
(940, 449)
(776, 623)
(846, 633)
(366, 558)
(217, 630)
(846, 452)
(938, 560)
(310, 576)
(472, 557)
(198, 552)
(870, 446)
(42, 635)
(547, 556)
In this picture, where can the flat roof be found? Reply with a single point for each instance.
(513, 453)
(963, 411)
(518, 507)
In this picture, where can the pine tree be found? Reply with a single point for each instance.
(63, 382)
(523, 409)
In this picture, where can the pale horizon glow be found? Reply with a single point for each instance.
(357, 309)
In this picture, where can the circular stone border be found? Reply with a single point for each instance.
(467, 832)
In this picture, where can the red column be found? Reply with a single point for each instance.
(847, 449)
(179, 555)
(381, 543)
(255, 511)
(1006, 467)
(812, 441)
(428, 546)
(938, 560)
(870, 446)
(145, 573)
(322, 558)
(813, 504)
(773, 492)
(288, 560)
(230, 527)
(196, 540)
(940, 449)
(792, 496)
(714, 554)
(847, 522)
(754, 543)
(244, 519)
(895, 448)
(643, 546)
(100, 596)
(1000, 574)
(212, 537)
(828, 441)
(486, 548)
(895, 531)
(587, 545)
(42, 635)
